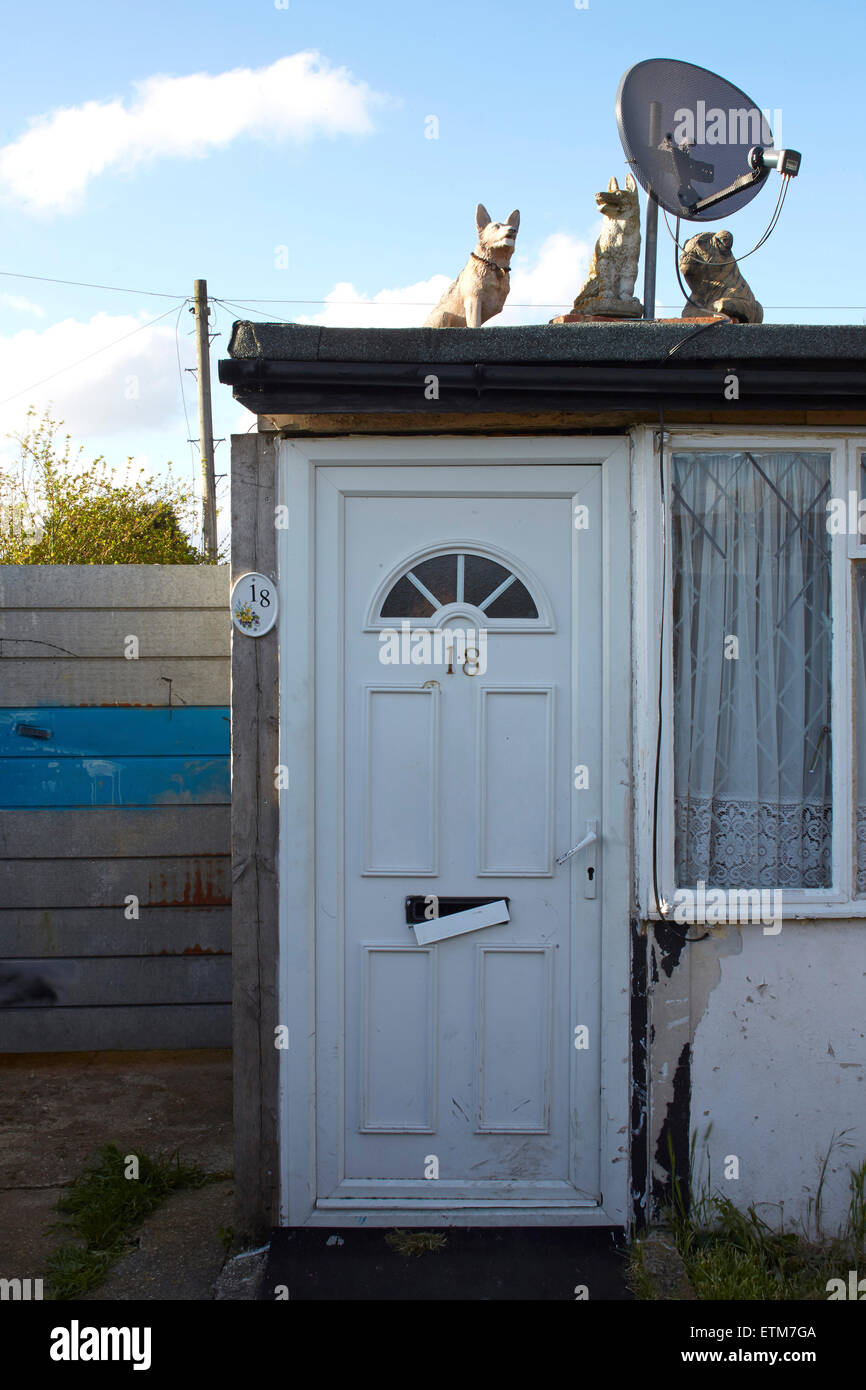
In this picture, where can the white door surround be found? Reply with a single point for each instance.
(355, 1129)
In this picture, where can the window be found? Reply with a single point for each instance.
(760, 781)
(858, 626)
(752, 661)
(459, 577)
(859, 634)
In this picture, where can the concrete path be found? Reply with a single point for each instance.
(179, 1252)
(57, 1109)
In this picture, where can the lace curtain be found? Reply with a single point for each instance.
(751, 604)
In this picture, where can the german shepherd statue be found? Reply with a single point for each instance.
(482, 286)
(609, 284)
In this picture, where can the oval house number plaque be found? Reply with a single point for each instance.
(254, 604)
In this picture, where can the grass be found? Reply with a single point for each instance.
(104, 1206)
(733, 1254)
(415, 1242)
(638, 1277)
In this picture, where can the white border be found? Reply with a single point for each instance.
(297, 461)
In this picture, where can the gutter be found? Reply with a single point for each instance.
(277, 386)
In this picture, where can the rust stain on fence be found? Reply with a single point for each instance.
(195, 951)
(204, 884)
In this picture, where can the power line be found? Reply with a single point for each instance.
(105, 347)
(337, 303)
(245, 309)
(380, 304)
(162, 294)
(182, 390)
(86, 285)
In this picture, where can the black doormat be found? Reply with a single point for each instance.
(457, 1264)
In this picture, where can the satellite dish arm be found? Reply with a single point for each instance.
(761, 160)
(744, 181)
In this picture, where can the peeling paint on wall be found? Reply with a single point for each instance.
(672, 1145)
(639, 1061)
(685, 967)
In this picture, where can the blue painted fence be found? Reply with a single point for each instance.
(54, 756)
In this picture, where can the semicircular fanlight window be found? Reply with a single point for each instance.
(459, 577)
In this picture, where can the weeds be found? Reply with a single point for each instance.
(415, 1242)
(638, 1277)
(226, 1235)
(733, 1254)
(103, 1207)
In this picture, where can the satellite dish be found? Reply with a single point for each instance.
(694, 143)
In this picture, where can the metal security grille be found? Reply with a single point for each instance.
(752, 664)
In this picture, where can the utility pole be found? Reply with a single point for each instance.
(205, 420)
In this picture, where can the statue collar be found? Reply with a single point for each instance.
(503, 270)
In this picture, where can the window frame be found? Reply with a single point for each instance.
(651, 545)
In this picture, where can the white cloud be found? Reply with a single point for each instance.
(347, 307)
(553, 278)
(124, 387)
(24, 306)
(298, 97)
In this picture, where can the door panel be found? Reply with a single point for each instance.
(447, 783)
(399, 1040)
(514, 1044)
(400, 799)
(516, 778)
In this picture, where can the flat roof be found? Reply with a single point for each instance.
(640, 341)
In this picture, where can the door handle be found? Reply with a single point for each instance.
(590, 838)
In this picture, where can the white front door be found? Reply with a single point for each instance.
(460, 727)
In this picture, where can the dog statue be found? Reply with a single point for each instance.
(482, 286)
(714, 280)
(609, 285)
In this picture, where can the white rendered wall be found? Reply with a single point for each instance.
(778, 1061)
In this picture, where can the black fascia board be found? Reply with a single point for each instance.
(277, 386)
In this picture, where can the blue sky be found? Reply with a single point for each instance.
(315, 179)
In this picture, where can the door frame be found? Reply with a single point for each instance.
(296, 465)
